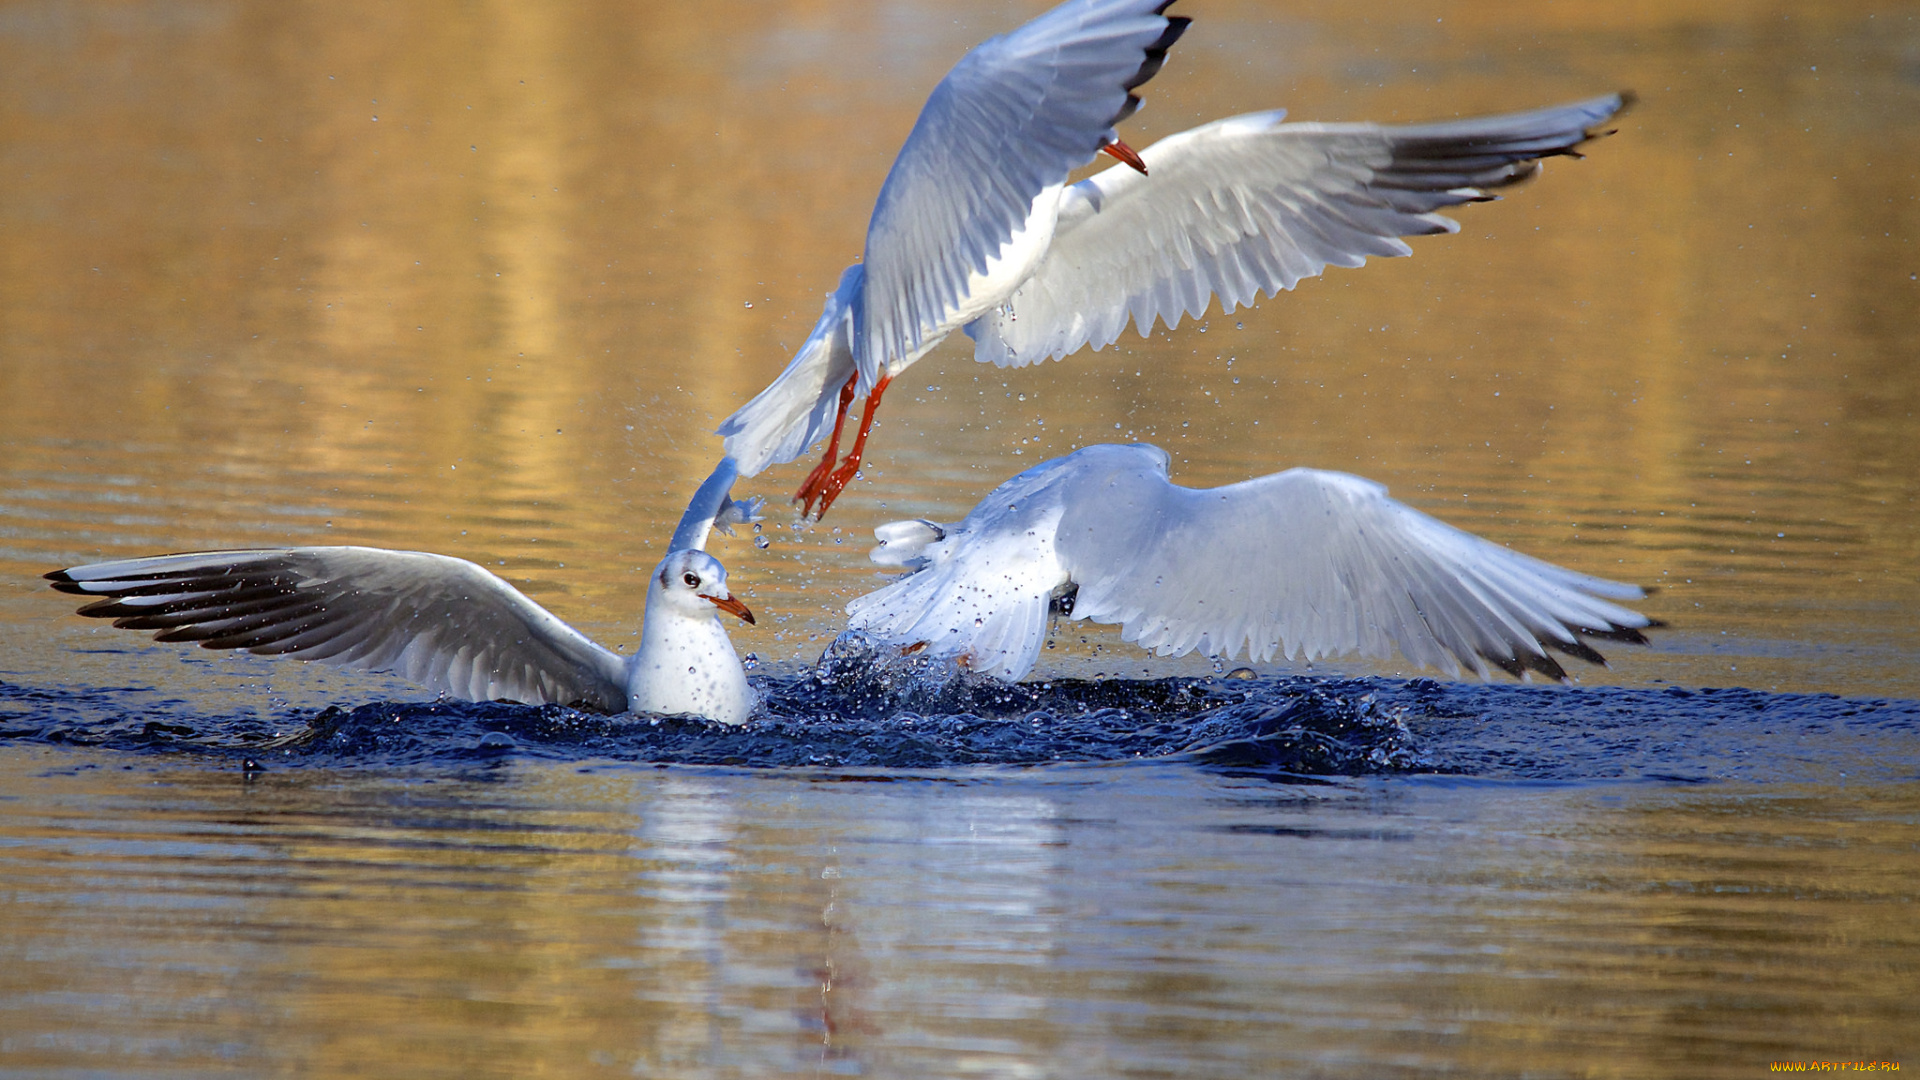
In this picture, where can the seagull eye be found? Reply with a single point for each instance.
(692, 580)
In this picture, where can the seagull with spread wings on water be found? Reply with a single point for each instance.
(447, 623)
(975, 228)
(1303, 563)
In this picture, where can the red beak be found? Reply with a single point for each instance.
(729, 605)
(1125, 153)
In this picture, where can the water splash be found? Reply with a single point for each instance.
(869, 707)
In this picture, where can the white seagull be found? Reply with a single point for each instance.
(446, 623)
(975, 227)
(1303, 563)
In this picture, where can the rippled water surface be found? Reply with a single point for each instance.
(480, 279)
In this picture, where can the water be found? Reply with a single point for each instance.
(514, 915)
(267, 279)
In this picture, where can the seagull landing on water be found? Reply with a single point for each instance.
(1302, 563)
(446, 623)
(976, 230)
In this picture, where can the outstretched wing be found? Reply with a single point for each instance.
(1304, 563)
(1012, 118)
(1311, 564)
(1249, 206)
(442, 622)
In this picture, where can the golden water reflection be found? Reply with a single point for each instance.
(552, 920)
(482, 279)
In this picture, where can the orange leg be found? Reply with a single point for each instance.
(811, 487)
(844, 475)
(1126, 153)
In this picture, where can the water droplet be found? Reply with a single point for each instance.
(1219, 665)
(762, 543)
(750, 661)
(749, 303)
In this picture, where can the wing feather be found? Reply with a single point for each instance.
(1313, 564)
(1304, 563)
(1013, 117)
(1248, 206)
(443, 622)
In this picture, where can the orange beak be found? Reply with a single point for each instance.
(729, 605)
(1125, 153)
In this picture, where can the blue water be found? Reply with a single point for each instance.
(851, 711)
(237, 866)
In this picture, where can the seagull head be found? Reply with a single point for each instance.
(693, 583)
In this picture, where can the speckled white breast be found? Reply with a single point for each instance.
(689, 667)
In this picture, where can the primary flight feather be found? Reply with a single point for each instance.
(975, 227)
(1303, 563)
(446, 623)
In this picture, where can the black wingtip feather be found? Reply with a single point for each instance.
(1518, 665)
(1579, 650)
(1545, 665)
(196, 605)
(1150, 64)
(1156, 53)
(105, 608)
(1507, 664)
(1442, 157)
(1627, 634)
